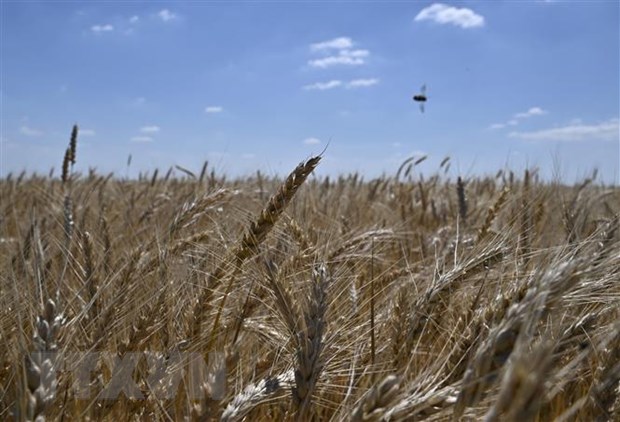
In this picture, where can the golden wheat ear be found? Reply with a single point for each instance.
(250, 242)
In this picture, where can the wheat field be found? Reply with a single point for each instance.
(401, 298)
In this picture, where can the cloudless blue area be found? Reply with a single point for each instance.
(510, 85)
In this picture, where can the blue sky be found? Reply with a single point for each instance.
(261, 86)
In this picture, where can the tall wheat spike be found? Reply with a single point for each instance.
(251, 240)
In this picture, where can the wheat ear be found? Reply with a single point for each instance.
(255, 394)
(492, 213)
(310, 345)
(40, 366)
(375, 402)
(250, 242)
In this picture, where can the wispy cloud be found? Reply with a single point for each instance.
(355, 83)
(343, 54)
(141, 139)
(323, 86)
(150, 129)
(29, 131)
(443, 14)
(517, 117)
(213, 109)
(87, 132)
(311, 141)
(335, 60)
(337, 43)
(362, 83)
(134, 19)
(102, 28)
(344, 57)
(533, 111)
(166, 15)
(605, 131)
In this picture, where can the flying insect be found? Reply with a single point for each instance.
(421, 97)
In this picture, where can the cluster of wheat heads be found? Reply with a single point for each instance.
(396, 298)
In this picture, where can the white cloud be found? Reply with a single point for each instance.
(362, 83)
(86, 132)
(312, 141)
(336, 44)
(134, 19)
(605, 131)
(355, 83)
(345, 55)
(322, 86)
(102, 28)
(335, 60)
(326, 62)
(444, 14)
(248, 156)
(142, 139)
(213, 109)
(28, 131)
(166, 15)
(150, 129)
(533, 111)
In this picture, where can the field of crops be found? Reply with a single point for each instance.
(189, 296)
